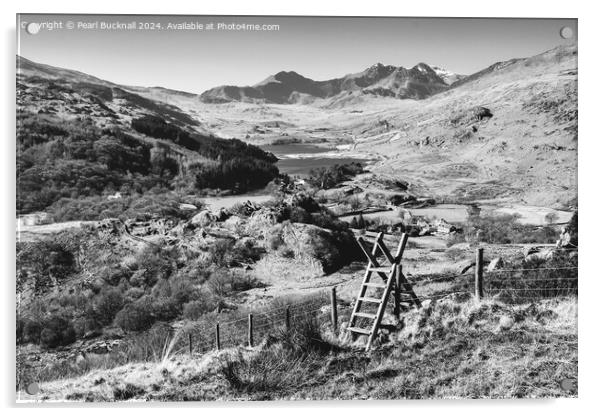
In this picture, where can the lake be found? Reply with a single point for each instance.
(299, 159)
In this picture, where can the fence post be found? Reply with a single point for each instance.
(333, 308)
(190, 343)
(217, 340)
(287, 318)
(250, 330)
(478, 275)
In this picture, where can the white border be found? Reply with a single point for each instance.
(590, 74)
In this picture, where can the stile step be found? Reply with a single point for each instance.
(381, 269)
(359, 330)
(373, 300)
(379, 285)
(365, 315)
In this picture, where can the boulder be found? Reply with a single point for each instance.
(187, 207)
(234, 223)
(203, 218)
(332, 251)
(260, 223)
(496, 263)
(540, 254)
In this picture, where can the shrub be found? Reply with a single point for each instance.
(298, 214)
(43, 260)
(156, 263)
(505, 229)
(106, 306)
(193, 310)
(32, 329)
(275, 239)
(245, 251)
(136, 316)
(355, 203)
(326, 178)
(219, 252)
(57, 330)
(327, 220)
(223, 282)
(133, 293)
(165, 309)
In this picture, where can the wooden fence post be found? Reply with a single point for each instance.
(287, 318)
(190, 343)
(333, 309)
(217, 340)
(478, 275)
(397, 292)
(250, 330)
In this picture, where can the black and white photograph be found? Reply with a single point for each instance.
(292, 208)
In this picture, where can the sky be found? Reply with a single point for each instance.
(150, 53)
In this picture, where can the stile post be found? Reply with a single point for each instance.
(250, 332)
(478, 281)
(190, 343)
(397, 292)
(217, 340)
(333, 309)
(287, 318)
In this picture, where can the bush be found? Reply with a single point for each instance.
(32, 329)
(298, 214)
(165, 309)
(193, 310)
(136, 316)
(106, 305)
(45, 259)
(57, 330)
(156, 263)
(326, 178)
(223, 282)
(275, 239)
(505, 229)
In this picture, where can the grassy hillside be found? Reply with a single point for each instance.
(447, 349)
(79, 138)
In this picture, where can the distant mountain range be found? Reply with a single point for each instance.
(418, 82)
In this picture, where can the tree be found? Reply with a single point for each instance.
(361, 223)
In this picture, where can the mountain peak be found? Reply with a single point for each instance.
(379, 79)
(447, 76)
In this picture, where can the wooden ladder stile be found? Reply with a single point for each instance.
(393, 278)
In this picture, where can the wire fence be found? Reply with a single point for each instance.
(509, 284)
(249, 327)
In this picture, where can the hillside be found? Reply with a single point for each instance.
(506, 133)
(447, 349)
(79, 137)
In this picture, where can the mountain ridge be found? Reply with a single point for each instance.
(286, 87)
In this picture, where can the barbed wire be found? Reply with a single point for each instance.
(529, 269)
(526, 280)
(534, 288)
